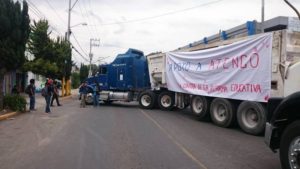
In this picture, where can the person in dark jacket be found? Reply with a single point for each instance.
(31, 93)
(48, 94)
(55, 94)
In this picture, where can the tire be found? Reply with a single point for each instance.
(222, 112)
(200, 107)
(147, 99)
(166, 100)
(89, 99)
(251, 117)
(290, 146)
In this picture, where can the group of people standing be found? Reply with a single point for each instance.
(84, 90)
(49, 92)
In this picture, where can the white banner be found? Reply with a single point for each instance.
(241, 70)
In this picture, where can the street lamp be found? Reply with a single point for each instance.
(83, 24)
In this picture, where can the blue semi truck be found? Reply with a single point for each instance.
(123, 79)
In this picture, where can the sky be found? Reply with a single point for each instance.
(147, 25)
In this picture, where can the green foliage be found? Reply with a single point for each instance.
(95, 69)
(14, 33)
(75, 80)
(84, 72)
(42, 67)
(39, 41)
(15, 102)
(52, 58)
(62, 51)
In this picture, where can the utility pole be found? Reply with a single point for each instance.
(262, 15)
(68, 83)
(96, 43)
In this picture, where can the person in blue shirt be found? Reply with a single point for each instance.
(96, 93)
(83, 90)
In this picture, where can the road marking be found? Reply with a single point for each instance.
(180, 146)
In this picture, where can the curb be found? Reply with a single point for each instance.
(8, 115)
(11, 114)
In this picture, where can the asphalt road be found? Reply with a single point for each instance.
(122, 136)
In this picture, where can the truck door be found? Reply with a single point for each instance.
(103, 78)
(121, 80)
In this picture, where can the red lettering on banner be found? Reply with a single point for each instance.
(241, 59)
(218, 62)
(225, 61)
(240, 62)
(253, 57)
(251, 88)
(235, 62)
(218, 88)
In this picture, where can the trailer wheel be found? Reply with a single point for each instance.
(166, 100)
(251, 117)
(222, 112)
(200, 107)
(147, 99)
(290, 146)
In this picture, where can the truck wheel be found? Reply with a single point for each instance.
(222, 112)
(290, 146)
(166, 100)
(251, 117)
(147, 100)
(200, 107)
(89, 99)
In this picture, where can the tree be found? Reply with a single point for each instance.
(41, 47)
(14, 32)
(75, 80)
(52, 58)
(83, 72)
(62, 51)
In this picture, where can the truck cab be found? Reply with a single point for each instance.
(124, 78)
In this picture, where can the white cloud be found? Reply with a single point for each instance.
(159, 33)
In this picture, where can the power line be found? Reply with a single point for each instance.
(80, 54)
(88, 25)
(93, 17)
(161, 15)
(87, 14)
(75, 55)
(40, 15)
(54, 11)
(79, 44)
(36, 9)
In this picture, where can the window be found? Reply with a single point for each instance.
(103, 71)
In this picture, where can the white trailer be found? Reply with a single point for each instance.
(224, 112)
